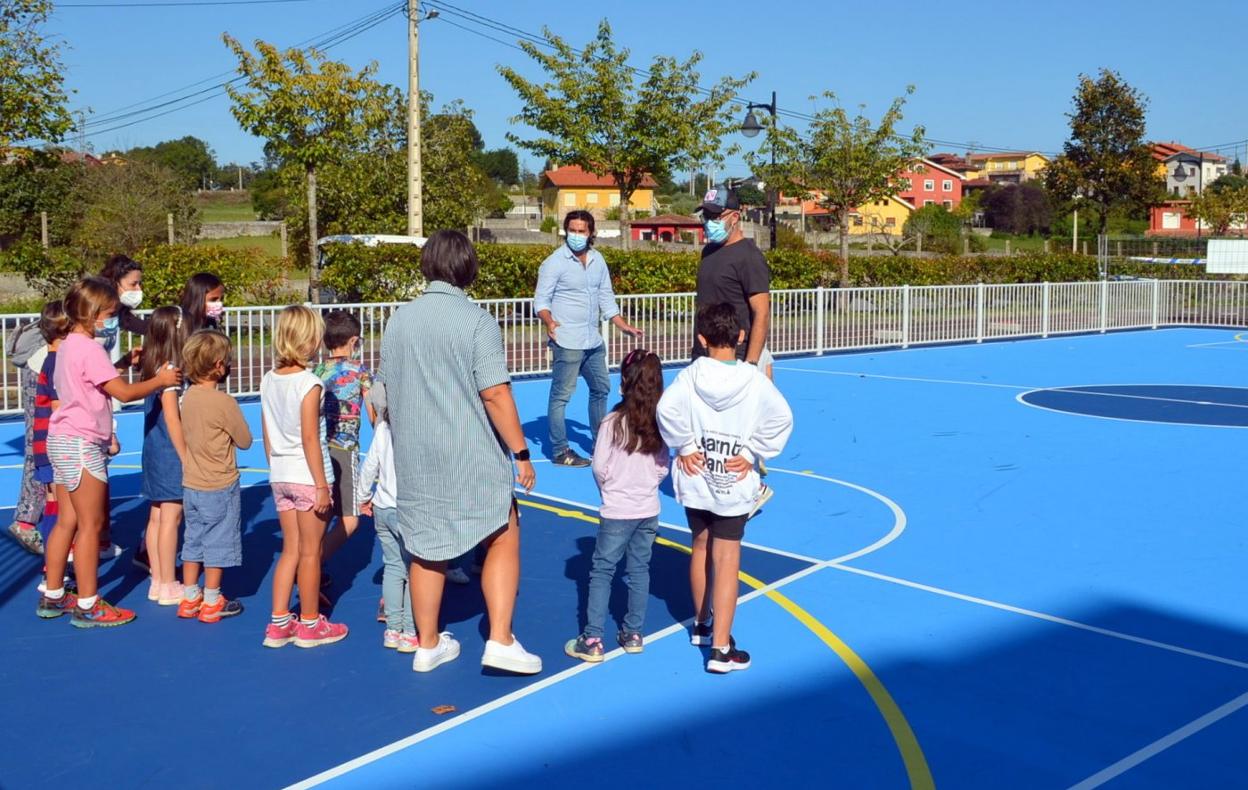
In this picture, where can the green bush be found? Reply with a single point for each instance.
(50, 272)
(250, 276)
(549, 224)
(508, 271)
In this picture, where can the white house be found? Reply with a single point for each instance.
(1189, 172)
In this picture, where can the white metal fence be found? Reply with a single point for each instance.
(810, 321)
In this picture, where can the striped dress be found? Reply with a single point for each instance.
(454, 476)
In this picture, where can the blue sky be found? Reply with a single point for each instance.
(998, 74)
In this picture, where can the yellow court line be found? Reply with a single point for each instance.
(917, 770)
(1239, 337)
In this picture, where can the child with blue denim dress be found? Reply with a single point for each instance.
(400, 633)
(164, 450)
(630, 460)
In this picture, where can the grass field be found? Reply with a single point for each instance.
(269, 245)
(225, 206)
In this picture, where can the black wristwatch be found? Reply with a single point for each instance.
(523, 455)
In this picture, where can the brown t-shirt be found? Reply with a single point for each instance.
(213, 426)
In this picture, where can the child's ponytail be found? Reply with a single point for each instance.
(641, 381)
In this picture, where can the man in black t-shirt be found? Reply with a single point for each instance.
(733, 271)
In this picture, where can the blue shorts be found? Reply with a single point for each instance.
(213, 527)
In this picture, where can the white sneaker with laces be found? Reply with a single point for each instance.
(765, 493)
(510, 658)
(457, 576)
(427, 660)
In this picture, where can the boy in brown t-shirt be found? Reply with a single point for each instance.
(213, 426)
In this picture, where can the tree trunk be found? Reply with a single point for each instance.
(626, 234)
(314, 268)
(843, 220)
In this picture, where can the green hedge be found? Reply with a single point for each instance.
(385, 273)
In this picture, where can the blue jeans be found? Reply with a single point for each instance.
(395, 560)
(617, 538)
(591, 363)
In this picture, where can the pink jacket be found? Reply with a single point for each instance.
(629, 482)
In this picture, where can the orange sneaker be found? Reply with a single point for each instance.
(189, 610)
(224, 607)
(102, 615)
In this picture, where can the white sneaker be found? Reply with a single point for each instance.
(510, 658)
(110, 552)
(457, 576)
(434, 657)
(765, 493)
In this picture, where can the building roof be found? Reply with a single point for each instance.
(572, 176)
(942, 168)
(1004, 155)
(668, 219)
(979, 182)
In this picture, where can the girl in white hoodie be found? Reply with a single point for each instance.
(720, 415)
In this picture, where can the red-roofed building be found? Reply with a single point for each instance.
(570, 187)
(668, 227)
(931, 184)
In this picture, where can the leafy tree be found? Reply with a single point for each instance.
(35, 184)
(189, 157)
(311, 111)
(593, 112)
(32, 89)
(124, 208)
(1106, 161)
(1218, 209)
(750, 195)
(501, 165)
(1236, 168)
(940, 229)
(1022, 209)
(1230, 181)
(843, 162)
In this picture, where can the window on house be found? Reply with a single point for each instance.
(948, 204)
(614, 200)
(929, 185)
(890, 222)
(592, 198)
(569, 199)
(946, 186)
(857, 220)
(927, 203)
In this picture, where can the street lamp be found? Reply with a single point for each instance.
(750, 127)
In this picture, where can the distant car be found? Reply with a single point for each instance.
(403, 290)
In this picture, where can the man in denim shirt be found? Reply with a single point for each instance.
(573, 295)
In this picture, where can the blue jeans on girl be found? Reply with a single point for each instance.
(619, 538)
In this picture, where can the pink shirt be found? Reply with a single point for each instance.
(82, 367)
(629, 482)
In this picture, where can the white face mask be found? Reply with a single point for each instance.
(131, 299)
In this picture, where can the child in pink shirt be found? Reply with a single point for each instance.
(630, 460)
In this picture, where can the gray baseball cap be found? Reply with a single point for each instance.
(718, 199)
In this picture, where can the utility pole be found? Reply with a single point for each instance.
(415, 207)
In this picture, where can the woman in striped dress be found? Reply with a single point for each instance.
(456, 431)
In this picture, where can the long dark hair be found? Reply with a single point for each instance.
(641, 381)
(166, 333)
(117, 267)
(193, 297)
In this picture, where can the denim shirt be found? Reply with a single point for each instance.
(578, 296)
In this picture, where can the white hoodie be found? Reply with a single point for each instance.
(723, 410)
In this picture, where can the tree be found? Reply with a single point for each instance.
(124, 208)
(189, 157)
(750, 195)
(940, 229)
(842, 162)
(1219, 209)
(32, 79)
(34, 184)
(501, 165)
(311, 111)
(1236, 168)
(1022, 209)
(1229, 181)
(592, 112)
(1106, 161)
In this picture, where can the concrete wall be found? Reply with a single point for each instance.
(229, 230)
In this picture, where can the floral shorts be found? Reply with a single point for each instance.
(72, 454)
(294, 496)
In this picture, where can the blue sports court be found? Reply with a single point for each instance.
(1012, 564)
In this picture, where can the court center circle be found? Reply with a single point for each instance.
(1175, 404)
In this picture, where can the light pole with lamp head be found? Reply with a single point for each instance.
(750, 127)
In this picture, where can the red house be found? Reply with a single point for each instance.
(927, 183)
(1170, 219)
(668, 227)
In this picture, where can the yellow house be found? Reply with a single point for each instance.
(570, 187)
(1009, 167)
(883, 217)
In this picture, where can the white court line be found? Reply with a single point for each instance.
(860, 375)
(1019, 398)
(1230, 662)
(1161, 744)
(493, 705)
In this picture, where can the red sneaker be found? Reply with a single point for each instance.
(189, 610)
(224, 607)
(280, 635)
(50, 609)
(322, 632)
(102, 615)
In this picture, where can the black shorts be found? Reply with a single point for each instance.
(721, 527)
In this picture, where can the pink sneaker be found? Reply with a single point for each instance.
(323, 632)
(409, 643)
(280, 635)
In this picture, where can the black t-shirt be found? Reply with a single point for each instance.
(732, 273)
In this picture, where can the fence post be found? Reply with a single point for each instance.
(1046, 246)
(918, 243)
(1104, 305)
(1154, 249)
(43, 228)
(1119, 249)
(979, 313)
(1044, 310)
(819, 321)
(905, 316)
(1156, 302)
(283, 232)
(1007, 246)
(966, 245)
(169, 226)
(1085, 248)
